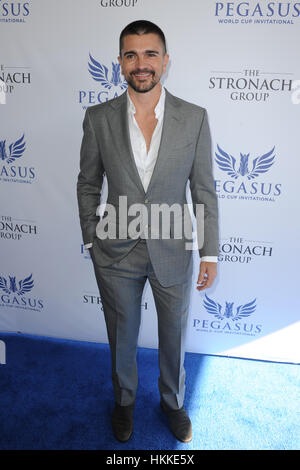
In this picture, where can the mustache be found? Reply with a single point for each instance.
(134, 72)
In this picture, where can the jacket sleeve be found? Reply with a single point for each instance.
(203, 193)
(90, 179)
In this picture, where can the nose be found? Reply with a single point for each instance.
(140, 61)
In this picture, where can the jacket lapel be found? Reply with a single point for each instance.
(171, 128)
(120, 130)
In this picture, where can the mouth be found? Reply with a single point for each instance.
(143, 75)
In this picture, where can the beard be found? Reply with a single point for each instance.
(142, 86)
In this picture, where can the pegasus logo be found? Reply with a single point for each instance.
(228, 164)
(15, 150)
(14, 9)
(242, 311)
(100, 74)
(10, 286)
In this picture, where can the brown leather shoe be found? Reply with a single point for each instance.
(122, 422)
(180, 423)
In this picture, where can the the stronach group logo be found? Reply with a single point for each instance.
(243, 173)
(12, 228)
(240, 250)
(262, 12)
(15, 293)
(11, 78)
(14, 12)
(228, 318)
(250, 85)
(10, 155)
(118, 3)
(110, 81)
(92, 298)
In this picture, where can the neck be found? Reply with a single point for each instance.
(145, 102)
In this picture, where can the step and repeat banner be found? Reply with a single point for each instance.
(240, 60)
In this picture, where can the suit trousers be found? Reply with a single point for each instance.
(121, 287)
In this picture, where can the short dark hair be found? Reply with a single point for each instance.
(141, 27)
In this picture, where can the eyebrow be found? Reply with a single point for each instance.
(152, 51)
(147, 51)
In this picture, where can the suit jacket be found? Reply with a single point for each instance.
(184, 155)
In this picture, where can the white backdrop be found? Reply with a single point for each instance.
(240, 60)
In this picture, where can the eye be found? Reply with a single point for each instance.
(129, 56)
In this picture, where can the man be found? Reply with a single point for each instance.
(149, 144)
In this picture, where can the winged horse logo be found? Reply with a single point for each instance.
(99, 73)
(10, 286)
(15, 150)
(242, 311)
(228, 163)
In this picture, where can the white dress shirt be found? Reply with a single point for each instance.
(145, 160)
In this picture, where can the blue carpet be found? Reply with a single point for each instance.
(57, 394)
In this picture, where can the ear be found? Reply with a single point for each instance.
(165, 61)
(120, 62)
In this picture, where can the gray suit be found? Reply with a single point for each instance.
(184, 154)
